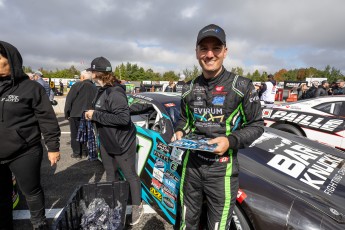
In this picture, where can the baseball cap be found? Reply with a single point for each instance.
(211, 30)
(39, 73)
(100, 64)
(340, 80)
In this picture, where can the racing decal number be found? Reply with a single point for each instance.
(143, 150)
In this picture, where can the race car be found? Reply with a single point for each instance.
(286, 182)
(321, 119)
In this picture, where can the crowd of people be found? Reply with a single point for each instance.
(267, 91)
(324, 89)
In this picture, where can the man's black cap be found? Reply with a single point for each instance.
(100, 64)
(211, 31)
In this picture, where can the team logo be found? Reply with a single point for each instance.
(219, 88)
(11, 98)
(169, 105)
(161, 156)
(266, 113)
(158, 174)
(156, 183)
(173, 166)
(163, 147)
(160, 165)
(176, 155)
(223, 159)
(218, 100)
(241, 196)
(168, 202)
(155, 193)
(170, 183)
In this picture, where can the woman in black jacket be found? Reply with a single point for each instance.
(25, 115)
(117, 133)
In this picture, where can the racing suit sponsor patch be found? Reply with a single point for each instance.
(218, 100)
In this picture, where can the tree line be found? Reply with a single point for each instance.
(133, 72)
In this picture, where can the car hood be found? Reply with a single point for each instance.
(312, 172)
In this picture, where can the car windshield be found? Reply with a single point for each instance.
(142, 109)
(174, 113)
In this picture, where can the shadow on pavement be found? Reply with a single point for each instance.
(153, 223)
(68, 180)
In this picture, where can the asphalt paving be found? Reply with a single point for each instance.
(60, 181)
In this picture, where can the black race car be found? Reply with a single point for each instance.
(286, 181)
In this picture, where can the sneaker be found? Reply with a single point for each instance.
(41, 226)
(137, 212)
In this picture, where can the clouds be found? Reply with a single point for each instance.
(265, 34)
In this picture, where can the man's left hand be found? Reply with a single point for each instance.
(222, 145)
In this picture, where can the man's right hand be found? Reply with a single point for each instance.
(177, 136)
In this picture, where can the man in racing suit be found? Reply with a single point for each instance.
(225, 107)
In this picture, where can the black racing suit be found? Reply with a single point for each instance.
(226, 105)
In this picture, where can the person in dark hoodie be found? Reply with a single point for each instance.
(117, 133)
(322, 90)
(79, 99)
(25, 115)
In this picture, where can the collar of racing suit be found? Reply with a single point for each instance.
(211, 83)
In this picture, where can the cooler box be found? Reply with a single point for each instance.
(111, 192)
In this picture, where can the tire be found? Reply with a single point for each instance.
(289, 129)
(239, 220)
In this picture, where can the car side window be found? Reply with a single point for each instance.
(341, 109)
(335, 108)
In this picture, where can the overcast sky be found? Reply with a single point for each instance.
(267, 35)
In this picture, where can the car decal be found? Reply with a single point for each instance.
(305, 119)
(315, 168)
(160, 182)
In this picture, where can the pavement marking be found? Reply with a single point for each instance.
(54, 213)
(65, 132)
